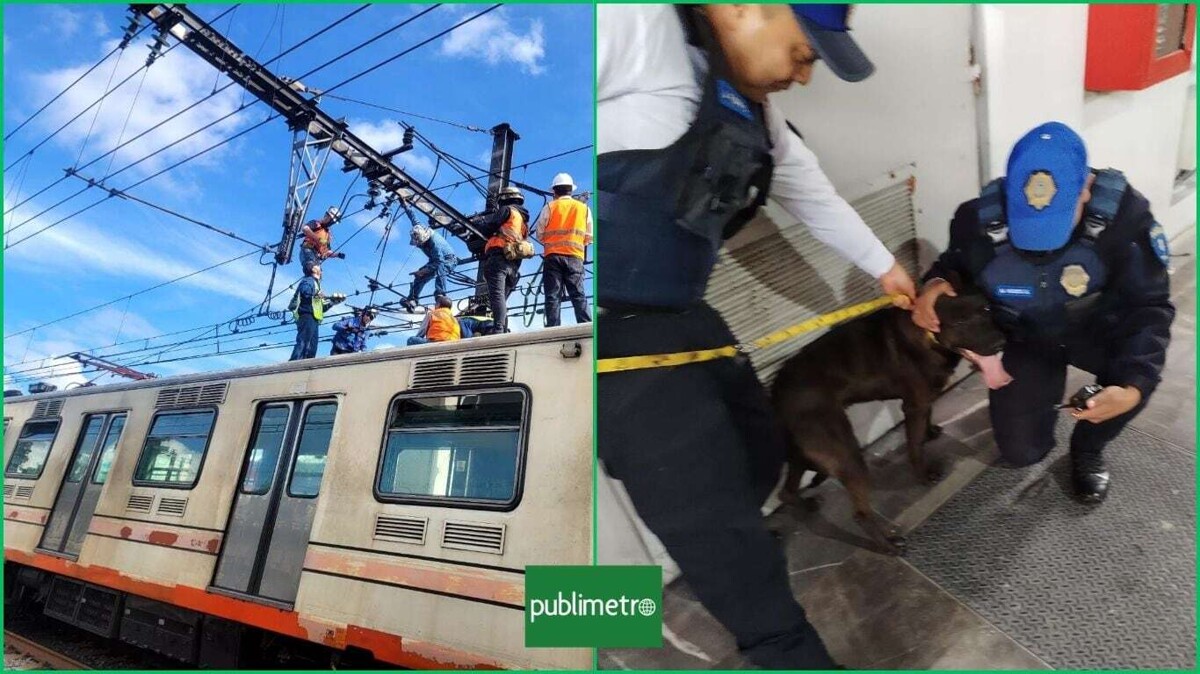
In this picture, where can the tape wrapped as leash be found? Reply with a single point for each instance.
(627, 363)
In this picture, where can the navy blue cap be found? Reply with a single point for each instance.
(828, 31)
(1047, 170)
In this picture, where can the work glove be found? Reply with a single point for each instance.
(340, 256)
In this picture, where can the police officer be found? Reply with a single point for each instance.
(507, 229)
(688, 149)
(1076, 269)
(441, 260)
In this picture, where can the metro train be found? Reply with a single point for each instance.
(364, 509)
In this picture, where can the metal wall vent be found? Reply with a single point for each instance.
(766, 284)
(8, 490)
(25, 492)
(471, 370)
(172, 506)
(487, 368)
(192, 396)
(139, 503)
(47, 408)
(401, 529)
(474, 536)
(436, 373)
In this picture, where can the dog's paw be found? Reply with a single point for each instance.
(934, 432)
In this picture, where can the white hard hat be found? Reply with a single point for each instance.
(563, 180)
(333, 212)
(420, 234)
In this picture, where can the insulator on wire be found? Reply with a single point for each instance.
(135, 21)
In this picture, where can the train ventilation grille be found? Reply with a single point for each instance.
(401, 529)
(172, 506)
(192, 396)
(139, 503)
(25, 492)
(8, 490)
(48, 408)
(474, 536)
(487, 368)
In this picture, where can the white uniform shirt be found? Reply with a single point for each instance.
(650, 82)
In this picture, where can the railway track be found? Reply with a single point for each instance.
(47, 656)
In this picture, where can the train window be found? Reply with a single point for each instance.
(107, 453)
(454, 449)
(85, 448)
(175, 449)
(264, 449)
(315, 434)
(33, 446)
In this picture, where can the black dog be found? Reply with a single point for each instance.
(881, 356)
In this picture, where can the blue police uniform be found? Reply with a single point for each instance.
(349, 336)
(441, 261)
(697, 447)
(1095, 294)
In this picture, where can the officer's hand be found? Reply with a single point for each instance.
(898, 283)
(1112, 401)
(923, 312)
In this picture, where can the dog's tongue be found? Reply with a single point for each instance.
(992, 367)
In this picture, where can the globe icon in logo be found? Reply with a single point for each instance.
(647, 607)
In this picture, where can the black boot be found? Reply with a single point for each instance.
(1089, 477)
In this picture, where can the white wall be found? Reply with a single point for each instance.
(918, 108)
(1033, 59)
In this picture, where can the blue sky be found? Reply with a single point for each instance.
(529, 65)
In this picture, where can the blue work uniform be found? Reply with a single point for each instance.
(349, 336)
(307, 324)
(1100, 303)
(441, 261)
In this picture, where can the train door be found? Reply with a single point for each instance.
(81, 486)
(273, 509)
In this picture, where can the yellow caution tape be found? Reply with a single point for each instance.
(830, 319)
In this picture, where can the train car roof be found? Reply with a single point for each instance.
(555, 334)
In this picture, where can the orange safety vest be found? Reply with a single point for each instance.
(566, 231)
(318, 240)
(513, 229)
(443, 326)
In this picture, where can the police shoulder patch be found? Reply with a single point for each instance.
(1158, 243)
(730, 98)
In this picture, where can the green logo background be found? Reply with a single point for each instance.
(564, 589)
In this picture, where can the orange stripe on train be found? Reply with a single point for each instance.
(386, 647)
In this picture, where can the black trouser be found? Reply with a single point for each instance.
(698, 450)
(559, 272)
(501, 275)
(1023, 412)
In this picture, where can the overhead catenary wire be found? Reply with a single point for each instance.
(467, 127)
(273, 116)
(191, 106)
(77, 80)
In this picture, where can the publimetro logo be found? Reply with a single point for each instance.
(593, 606)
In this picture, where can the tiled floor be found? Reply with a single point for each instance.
(880, 612)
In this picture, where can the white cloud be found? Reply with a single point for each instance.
(83, 250)
(174, 82)
(68, 23)
(492, 38)
(388, 135)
